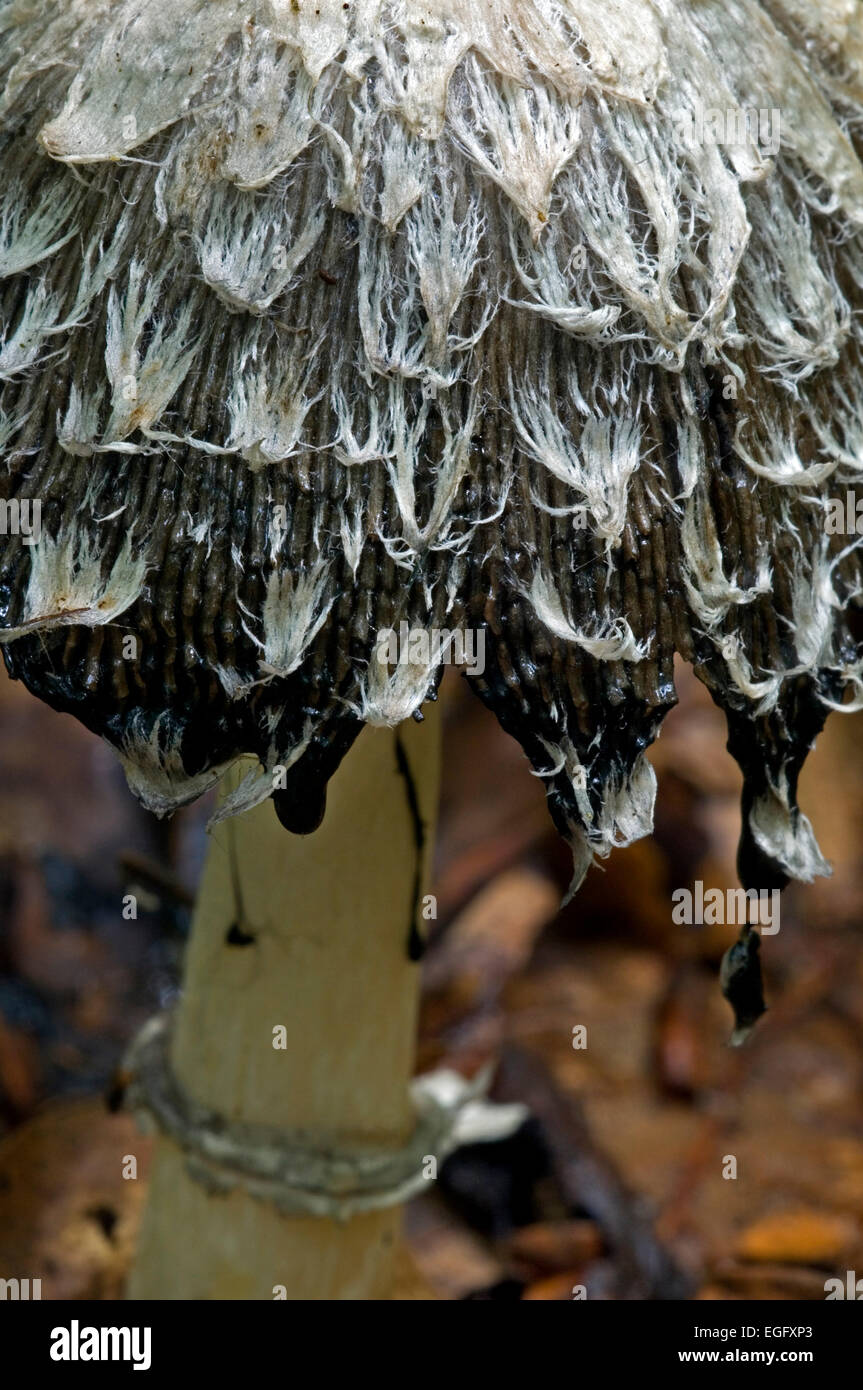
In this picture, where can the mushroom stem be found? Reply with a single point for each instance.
(308, 1026)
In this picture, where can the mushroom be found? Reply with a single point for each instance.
(538, 321)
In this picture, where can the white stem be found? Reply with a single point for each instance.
(330, 914)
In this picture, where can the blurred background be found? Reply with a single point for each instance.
(620, 1184)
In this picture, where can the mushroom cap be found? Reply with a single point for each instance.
(538, 322)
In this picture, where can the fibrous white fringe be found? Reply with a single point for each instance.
(66, 587)
(611, 640)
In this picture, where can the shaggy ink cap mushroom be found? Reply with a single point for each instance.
(317, 321)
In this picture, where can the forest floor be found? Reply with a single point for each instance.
(657, 1163)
